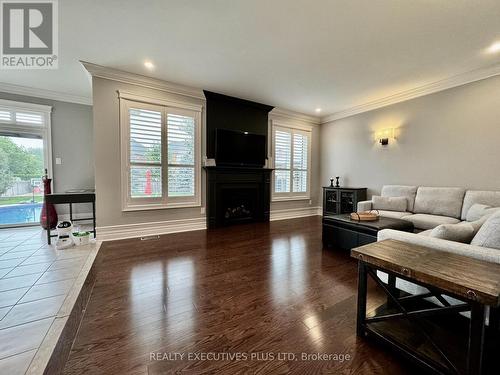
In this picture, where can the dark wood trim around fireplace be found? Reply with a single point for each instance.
(224, 181)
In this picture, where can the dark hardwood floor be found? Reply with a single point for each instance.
(257, 289)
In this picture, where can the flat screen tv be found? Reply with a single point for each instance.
(239, 148)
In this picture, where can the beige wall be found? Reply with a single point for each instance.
(72, 142)
(451, 138)
(107, 156)
(315, 200)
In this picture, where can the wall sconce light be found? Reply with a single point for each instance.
(384, 136)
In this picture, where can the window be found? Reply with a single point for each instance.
(161, 149)
(291, 163)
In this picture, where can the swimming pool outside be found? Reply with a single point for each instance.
(20, 213)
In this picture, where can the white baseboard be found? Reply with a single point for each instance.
(293, 213)
(120, 232)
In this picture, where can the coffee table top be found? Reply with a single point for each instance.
(381, 223)
(465, 277)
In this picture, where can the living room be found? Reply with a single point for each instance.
(252, 187)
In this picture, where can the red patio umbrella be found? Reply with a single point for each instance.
(148, 189)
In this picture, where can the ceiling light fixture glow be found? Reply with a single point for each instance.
(149, 64)
(318, 110)
(494, 48)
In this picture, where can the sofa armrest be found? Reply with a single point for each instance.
(364, 206)
(477, 252)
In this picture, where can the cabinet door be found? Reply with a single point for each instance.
(346, 202)
(339, 238)
(331, 202)
(365, 239)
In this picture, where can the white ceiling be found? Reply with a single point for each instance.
(295, 54)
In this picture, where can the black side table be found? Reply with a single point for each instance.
(71, 198)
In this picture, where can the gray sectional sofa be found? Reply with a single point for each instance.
(429, 207)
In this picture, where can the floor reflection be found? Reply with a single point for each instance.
(165, 287)
(288, 269)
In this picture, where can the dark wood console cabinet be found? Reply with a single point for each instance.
(341, 200)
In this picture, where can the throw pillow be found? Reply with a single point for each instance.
(389, 203)
(489, 234)
(461, 232)
(477, 211)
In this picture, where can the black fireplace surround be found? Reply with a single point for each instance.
(235, 194)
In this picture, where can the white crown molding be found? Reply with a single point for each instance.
(444, 84)
(118, 232)
(154, 100)
(294, 213)
(44, 94)
(140, 80)
(15, 105)
(296, 116)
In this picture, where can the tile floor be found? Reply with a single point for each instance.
(35, 280)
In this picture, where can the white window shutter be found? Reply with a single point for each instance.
(145, 153)
(291, 163)
(300, 163)
(30, 118)
(145, 136)
(181, 155)
(5, 116)
(282, 149)
(282, 161)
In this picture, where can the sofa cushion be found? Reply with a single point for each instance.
(489, 234)
(424, 221)
(461, 232)
(477, 211)
(439, 201)
(477, 252)
(408, 192)
(393, 214)
(490, 198)
(389, 203)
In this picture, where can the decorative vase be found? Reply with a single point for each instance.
(48, 213)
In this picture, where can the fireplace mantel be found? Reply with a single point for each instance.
(226, 184)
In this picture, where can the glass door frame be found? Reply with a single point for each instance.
(16, 129)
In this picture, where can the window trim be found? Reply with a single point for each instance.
(44, 130)
(127, 101)
(293, 129)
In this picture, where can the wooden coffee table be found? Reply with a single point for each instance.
(435, 336)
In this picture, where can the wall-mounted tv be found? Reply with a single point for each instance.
(239, 148)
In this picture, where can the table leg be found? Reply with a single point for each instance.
(93, 219)
(492, 350)
(362, 284)
(391, 285)
(476, 339)
(47, 223)
(71, 212)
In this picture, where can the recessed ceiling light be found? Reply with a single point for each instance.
(494, 48)
(149, 64)
(318, 110)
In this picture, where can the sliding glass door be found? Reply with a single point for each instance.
(21, 188)
(24, 155)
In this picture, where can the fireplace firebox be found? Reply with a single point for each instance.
(237, 195)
